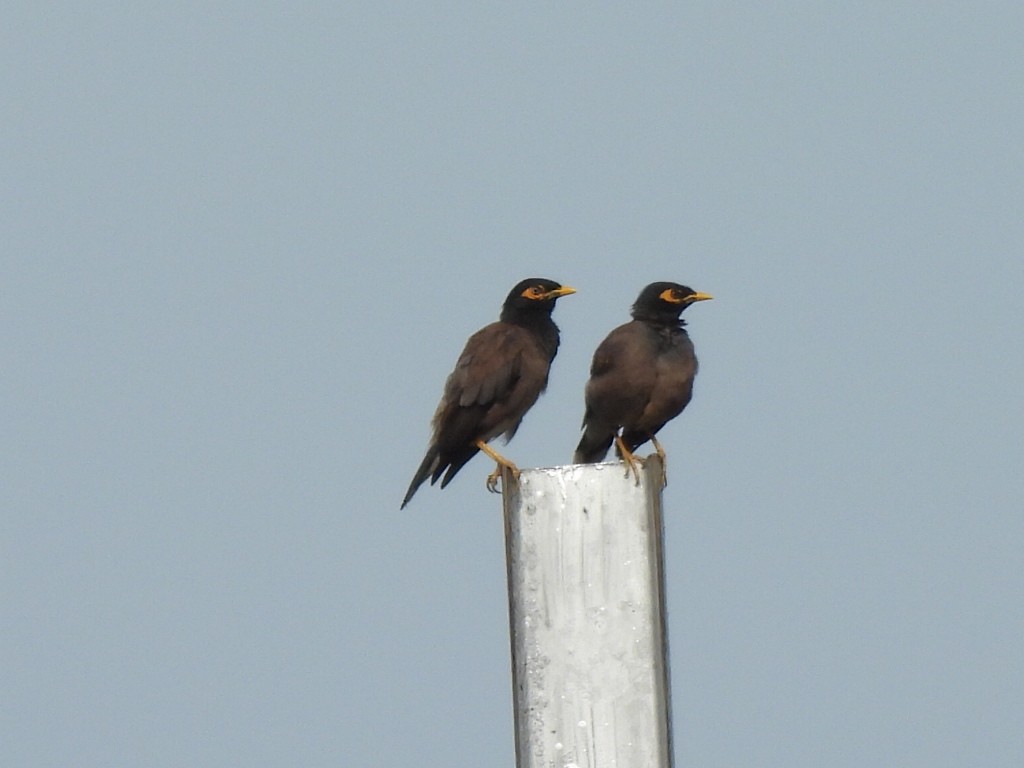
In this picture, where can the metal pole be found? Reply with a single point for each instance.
(586, 584)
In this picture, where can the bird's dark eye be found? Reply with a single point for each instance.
(534, 292)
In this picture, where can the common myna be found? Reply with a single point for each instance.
(641, 376)
(497, 379)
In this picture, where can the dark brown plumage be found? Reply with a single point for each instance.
(499, 376)
(641, 376)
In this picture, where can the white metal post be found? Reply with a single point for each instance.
(587, 614)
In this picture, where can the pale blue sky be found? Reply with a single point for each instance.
(244, 246)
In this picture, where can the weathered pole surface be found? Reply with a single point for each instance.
(586, 583)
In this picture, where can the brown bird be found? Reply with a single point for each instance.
(641, 377)
(497, 379)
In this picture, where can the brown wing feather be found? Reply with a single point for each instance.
(621, 376)
(498, 377)
(621, 379)
(488, 366)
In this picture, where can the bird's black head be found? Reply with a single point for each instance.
(664, 302)
(531, 297)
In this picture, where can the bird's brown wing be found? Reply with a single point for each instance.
(498, 377)
(622, 376)
(487, 368)
(488, 383)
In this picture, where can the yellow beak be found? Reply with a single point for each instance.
(698, 297)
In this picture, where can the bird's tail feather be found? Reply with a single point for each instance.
(427, 467)
(455, 462)
(593, 446)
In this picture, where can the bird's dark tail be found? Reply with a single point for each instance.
(593, 445)
(456, 461)
(427, 467)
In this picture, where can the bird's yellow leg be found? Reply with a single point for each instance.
(661, 455)
(492, 479)
(632, 462)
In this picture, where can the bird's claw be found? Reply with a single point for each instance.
(492, 480)
(633, 465)
(495, 476)
(632, 462)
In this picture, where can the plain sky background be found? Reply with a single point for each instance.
(244, 244)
